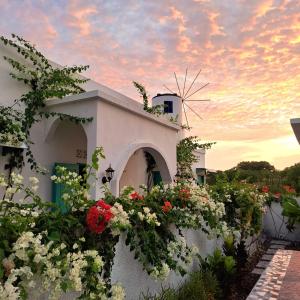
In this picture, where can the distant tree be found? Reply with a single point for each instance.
(255, 165)
(291, 176)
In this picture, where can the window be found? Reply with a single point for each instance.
(168, 107)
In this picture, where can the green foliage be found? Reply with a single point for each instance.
(157, 109)
(151, 164)
(185, 155)
(201, 285)
(291, 176)
(244, 205)
(222, 266)
(262, 174)
(44, 81)
(255, 165)
(291, 210)
(151, 224)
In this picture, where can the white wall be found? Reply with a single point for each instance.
(10, 88)
(200, 155)
(134, 173)
(275, 228)
(130, 274)
(120, 131)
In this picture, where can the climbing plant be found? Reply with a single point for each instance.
(44, 81)
(186, 155)
(156, 109)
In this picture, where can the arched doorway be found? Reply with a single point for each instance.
(145, 165)
(67, 146)
(68, 143)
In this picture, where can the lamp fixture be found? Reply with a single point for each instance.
(109, 174)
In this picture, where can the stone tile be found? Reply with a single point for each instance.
(274, 246)
(267, 257)
(280, 242)
(271, 251)
(262, 264)
(257, 271)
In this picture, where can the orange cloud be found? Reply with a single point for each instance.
(248, 51)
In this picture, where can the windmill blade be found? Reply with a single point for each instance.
(197, 100)
(192, 84)
(177, 85)
(202, 87)
(187, 122)
(169, 89)
(184, 81)
(194, 111)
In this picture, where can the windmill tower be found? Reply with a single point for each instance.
(177, 105)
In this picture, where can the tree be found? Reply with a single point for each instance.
(291, 176)
(255, 165)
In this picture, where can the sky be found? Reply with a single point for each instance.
(248, 51)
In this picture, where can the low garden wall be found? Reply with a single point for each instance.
(274, 224)
(135, 280)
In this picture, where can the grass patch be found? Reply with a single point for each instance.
(199, 286)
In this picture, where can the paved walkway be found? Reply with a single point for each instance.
(281, 279)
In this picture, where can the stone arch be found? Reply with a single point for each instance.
(159, 156)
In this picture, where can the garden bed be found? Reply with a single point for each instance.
(245, 279)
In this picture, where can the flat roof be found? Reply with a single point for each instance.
(115, 99)
(166, 94)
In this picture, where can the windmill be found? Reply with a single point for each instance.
(186, 93)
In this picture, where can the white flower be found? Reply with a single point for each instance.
(146, 210)
(35, 214)
(10, 191)
(34, 188)
(2, 181)
(141, 216)
(65, 196)
(117, 292)
(33, 180)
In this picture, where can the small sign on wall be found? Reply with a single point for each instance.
(81, 153)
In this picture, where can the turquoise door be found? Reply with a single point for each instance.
(58, 189)
(156, 177)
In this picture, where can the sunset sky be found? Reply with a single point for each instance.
(248, 50)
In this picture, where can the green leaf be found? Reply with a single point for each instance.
(54, 236)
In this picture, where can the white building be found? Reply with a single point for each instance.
(120, 126)
(295, 123)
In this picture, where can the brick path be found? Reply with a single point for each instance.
(290, 288)
(281, 279)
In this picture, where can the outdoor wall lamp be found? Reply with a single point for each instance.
(109, 174)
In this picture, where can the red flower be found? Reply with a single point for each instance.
(136, 196)
(98, 216)
(289, 189)
(166, 207)
(277, 196)
(265, 189)
(184, 194)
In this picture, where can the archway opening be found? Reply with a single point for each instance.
(68, 143)
(145, 166)
(67, 148)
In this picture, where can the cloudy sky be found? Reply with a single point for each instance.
(248, 50)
